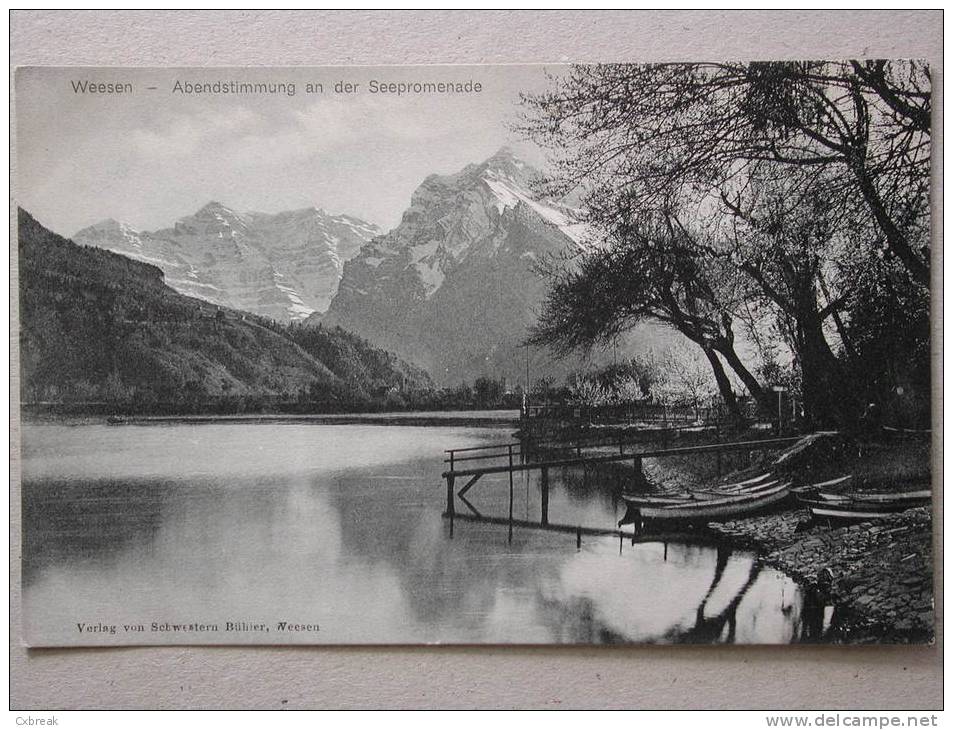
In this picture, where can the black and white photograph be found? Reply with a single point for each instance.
(492, 354)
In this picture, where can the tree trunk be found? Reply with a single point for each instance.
(724, 387)
(829, 398)
(835, 315)
(896, 239)
(761, 396)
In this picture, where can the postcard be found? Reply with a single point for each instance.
(524, 354)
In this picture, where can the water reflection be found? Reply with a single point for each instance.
(343, 525)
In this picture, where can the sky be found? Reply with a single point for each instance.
(152, 156)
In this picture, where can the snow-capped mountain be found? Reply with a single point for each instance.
(454, 287)
(285, 265)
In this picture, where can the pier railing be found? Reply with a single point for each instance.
(523, 451)
(518, 449)
(461, 467)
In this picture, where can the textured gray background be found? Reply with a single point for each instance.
(636, 678)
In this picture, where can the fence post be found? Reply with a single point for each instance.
(544, 481)
(450, 501)
(511, 492)
(639, 480)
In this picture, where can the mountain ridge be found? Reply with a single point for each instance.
(284, 265)
(455, 286)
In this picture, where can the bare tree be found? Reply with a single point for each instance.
(648, 269)
(769, 174)
(654, 131)
(688, 377)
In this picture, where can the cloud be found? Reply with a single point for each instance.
(345, 121)
(184, 135)
(323, 128)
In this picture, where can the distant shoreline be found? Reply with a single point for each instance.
(508, 418)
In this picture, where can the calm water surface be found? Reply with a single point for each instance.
(340, 527)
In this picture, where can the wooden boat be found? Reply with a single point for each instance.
(812, 497)
(672, 498)
(826, 496)
(891, 498)
(851, 504)
(752, 489)
(655, 500)
(846, 513)
(747, 482)
(860, 507)
(749, 488)
(840, 481)
(854, 511)
(713, 510)
(919, 496)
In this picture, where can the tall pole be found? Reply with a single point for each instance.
(511, 494)
(527, 367)
(780, 426)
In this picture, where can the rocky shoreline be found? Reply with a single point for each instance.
(877, 575)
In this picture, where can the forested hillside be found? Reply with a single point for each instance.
(100, 329)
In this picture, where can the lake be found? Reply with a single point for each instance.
(325, 534)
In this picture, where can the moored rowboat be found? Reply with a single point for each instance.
(752, 489)
(748, 488)
(839, 481)
(843, 512)
(858, 507)
(892, 498)
(673, 498)
(719, 508)
(651, 500)
(922, 495)
(747, 482)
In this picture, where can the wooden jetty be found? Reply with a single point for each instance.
(511, 458)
